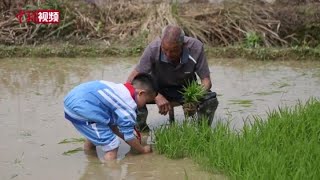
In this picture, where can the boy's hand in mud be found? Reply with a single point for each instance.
(147, 149)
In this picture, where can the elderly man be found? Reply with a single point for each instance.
(173, 61)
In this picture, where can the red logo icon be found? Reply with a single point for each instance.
(39, 16)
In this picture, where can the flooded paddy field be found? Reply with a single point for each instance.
(32, 122)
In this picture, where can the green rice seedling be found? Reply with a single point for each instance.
(268, 93)
(286, 145)
(186, 177)
(192, 94)
(19, 160)
(243, 103)
(171, 141)
(72, 140)
(14, 176)
(72, 151)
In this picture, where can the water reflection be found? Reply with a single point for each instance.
(33, 75)
(54, 75)
(96, 169)
(249, 88)
(151, 166)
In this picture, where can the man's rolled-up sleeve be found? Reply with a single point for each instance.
(202, 68)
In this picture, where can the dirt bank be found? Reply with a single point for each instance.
(89, 50)
(248, 23)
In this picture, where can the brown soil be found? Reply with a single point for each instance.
(134, 23)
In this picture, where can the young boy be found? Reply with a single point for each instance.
(103, 110)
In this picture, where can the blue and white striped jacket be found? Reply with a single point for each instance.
(103, 102)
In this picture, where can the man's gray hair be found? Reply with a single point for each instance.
(173, 33)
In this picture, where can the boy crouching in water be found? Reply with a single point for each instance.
(102, 110)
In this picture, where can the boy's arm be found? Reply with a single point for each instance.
(134, 143)
(137, 146)
(126, 120)
(115, 130)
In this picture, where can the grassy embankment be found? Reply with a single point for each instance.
(71, 51)
(285, 146)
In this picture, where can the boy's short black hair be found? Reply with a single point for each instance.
(145, 81)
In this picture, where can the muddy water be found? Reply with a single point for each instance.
(32, 123)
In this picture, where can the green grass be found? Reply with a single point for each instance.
(69, 50)
(285, 146)
(262, 53)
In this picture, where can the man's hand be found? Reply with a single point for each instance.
(133, 74)
(206, 83)
(163, 104)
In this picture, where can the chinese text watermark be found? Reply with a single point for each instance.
(39, 16)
